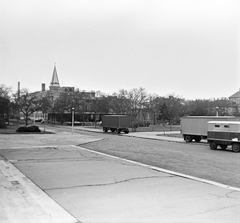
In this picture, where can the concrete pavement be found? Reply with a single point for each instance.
(22, 201)
(94, 187)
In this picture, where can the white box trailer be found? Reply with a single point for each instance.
(196, 127)
(223, 134)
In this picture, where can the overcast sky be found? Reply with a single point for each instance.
(186, 47)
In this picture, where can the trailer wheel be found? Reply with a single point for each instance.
(236, 147)
(213, 145)
(118, 131)
(188, 138)
(113, 130)
(105, 129)
(126, 131)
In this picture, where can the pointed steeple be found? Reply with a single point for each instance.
(54, 82)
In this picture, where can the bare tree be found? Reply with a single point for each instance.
(152, 107)
(120, 103)
(28, 103)
(5, 92)
(206, 107)
(170, 109)
(100, 105)
(138, 98)
(62, 104)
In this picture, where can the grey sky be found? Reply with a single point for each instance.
(187, 47)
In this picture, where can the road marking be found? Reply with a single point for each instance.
(165, 170)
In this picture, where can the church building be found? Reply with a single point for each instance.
(55, 91)
(54, 88)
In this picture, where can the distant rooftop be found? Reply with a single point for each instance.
(236, 95)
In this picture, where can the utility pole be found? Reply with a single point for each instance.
(72, 119)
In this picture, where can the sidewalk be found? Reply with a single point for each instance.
(21, 201)
(94, 187)
(165, 136)
(157, 136)
(146, 135)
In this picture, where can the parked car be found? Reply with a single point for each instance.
(38, 120)
(75, 123)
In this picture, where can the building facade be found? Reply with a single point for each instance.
(235, 98)
(4, 111)
(83, 112)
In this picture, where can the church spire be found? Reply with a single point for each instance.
(54, 82)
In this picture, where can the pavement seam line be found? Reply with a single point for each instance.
(165, 170)
(106, 184)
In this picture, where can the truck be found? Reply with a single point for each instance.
(196, 127)
(116, 123)
(224, 134)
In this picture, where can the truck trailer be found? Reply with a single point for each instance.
(196, 127)
(116, 123)
(224, 134)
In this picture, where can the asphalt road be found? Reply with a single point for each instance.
(194, 159)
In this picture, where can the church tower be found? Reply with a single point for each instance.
(54, 85)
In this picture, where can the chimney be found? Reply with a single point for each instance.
(18, 89)
(43, 87)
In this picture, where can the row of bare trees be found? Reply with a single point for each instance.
(143, 108)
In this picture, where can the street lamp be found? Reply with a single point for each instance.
(217, 109)
(72, 119)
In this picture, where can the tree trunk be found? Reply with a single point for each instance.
(95, 121)
(26, 119)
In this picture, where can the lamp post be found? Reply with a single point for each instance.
(217, 109)
(72, 119)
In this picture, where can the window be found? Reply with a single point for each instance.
(226, 126)
(217, 126)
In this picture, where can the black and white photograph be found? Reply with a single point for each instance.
(119, 111)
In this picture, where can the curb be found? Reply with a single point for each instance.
(210, 182)
(26, 201)
(157, 137)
